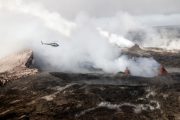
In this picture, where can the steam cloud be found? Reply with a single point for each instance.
(84, 41)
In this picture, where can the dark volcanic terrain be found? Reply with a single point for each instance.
(93, 96)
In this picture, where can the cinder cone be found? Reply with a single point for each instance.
(162, 71)
(127, 72)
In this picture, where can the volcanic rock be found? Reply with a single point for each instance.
(135, 48)
(127, 72)
(90, 96)
(168, 58)
(16, 66)
(71, 96)
(135, 51)
(162, 70)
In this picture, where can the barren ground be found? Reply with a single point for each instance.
(93, 96)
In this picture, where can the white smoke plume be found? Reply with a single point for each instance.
(85, 41)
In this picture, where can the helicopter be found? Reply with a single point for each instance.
(51, 44)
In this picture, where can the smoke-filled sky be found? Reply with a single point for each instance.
(91, 33)
(107, 8)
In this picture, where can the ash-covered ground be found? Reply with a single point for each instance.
(96, 96)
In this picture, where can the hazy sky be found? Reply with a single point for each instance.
(86, 39)
(70, 8)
